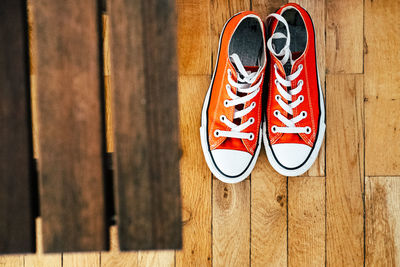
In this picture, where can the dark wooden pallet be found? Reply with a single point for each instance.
(17, 228)
(72, 138)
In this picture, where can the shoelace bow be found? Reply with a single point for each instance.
(286, 55)
(243, 85)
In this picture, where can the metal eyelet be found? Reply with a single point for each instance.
(301, 82)
(226, 103)
(228, 87)
(222, 117)
(253, 104)
(251, 120)
(300, 66)
(276, 81)
(308, 130)
(276, 113)
(301, 98)
(251, 136)
(304, 114)
(277, 97)
(273, 129)
(216, 133)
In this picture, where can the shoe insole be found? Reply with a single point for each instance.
(247, 42)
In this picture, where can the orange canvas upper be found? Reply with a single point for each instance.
(309, 90)
(216, 106)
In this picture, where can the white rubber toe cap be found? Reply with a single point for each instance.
(291, 155)
(231, 162)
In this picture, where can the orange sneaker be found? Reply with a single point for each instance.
(231, 116)
(295, 114)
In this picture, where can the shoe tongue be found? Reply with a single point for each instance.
(288, 68)
(251, 68)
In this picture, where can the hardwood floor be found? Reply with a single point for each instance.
(344, 212)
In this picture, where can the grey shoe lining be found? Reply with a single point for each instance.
(298, 32)
(247, 42)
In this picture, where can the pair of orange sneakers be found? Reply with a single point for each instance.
(289, 115)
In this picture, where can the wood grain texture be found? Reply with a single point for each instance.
(12, 261)
(17, 225)
(264, 8)
(316, 9)
(344, 178)
(70, 130)
(268, 215)
(159, 258)
(116, 258)
(382, 202)
(81, 259)
(344, 36)
(306, 221)
(33, 79)
(195, 176)
(231, 223)
(42, 260)
(107, 82)
(194, 49)
(225, 10)
(146, 123)
(382, 94)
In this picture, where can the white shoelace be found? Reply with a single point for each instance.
(287, 82)
(243, 85)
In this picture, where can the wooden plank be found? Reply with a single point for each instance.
(264, 8)
(231, 203)
(195, 176)
(144, 74)
(268, 215)
(194, 37)
(231, 223)
(70, 134)
(159, 258)
(39, 259)
(17, 225)
(306, 221)
(344, 36)
(344, 184)
(382, 204)
(81, 259)
(107, 82)
(382, 94)
(316, 9)
(115, 258)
